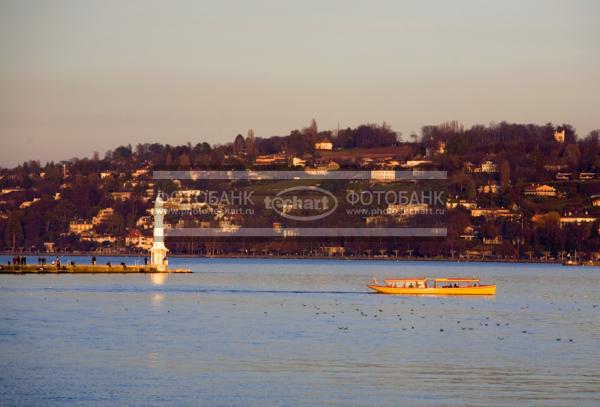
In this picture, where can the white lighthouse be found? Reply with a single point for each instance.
(158, 252)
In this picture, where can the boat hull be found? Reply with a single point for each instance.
(479, 290)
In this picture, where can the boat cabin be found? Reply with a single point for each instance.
(406, 282)
(455, 282)
(431, 283)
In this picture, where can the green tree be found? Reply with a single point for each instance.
(60, 216)
(250, 144)
(13, 234)
(299, 143)
(184, 160)
(312, 131)
(505, 175)
(572, 156)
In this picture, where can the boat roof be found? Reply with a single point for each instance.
(438, 280)
(467, 280)
(398, 280)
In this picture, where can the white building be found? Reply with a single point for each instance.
(489, 167)
(383, 175)
(489, 188)
(324, 145)
(415, 163)
(540, 190)
(587, 175)
(136, 239)
(571, 219)
(298, 162)
(454, 203)
(27, 204)
(103, 216)
(79, 226)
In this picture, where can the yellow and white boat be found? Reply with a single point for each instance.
(437, 286)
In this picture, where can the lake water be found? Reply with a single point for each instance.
(299, 333)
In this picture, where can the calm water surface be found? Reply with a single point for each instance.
(299, 333)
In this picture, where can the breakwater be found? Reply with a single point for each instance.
(81, 269)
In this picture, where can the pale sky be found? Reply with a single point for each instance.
(78, 76)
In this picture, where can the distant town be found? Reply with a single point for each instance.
(514, 192)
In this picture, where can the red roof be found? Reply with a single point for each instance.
(135, 233)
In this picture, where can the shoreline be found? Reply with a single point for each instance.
(347, 258)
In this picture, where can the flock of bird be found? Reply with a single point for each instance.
(409, 318)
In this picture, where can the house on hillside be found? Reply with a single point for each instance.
(540, 190)
(332, 250)
(415, 163)
(27, 204)
(469, 234)
(564, 176)
(91, 236)
(103, 216)
(496, 240)
(584, 176)
(140, 172)
(145, 222)
(120, 196)
(383, 175)
(377, 220)
(489, 167)
(456, 203)
(492, 213)
(324, 145)
(441, 148)
(271, 159)
(489, 188)
(136, 239)
(298, 162)
(322, 168)
(10, 190)
(555, 167)
(79, 226)
(572, 218)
